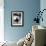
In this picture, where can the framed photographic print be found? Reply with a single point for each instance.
(17, 18)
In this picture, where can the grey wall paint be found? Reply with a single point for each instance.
(30, 7)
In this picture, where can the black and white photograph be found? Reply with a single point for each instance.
(17, 18)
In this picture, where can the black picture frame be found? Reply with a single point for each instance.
(17, 18)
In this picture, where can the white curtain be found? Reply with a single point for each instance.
(1, 20)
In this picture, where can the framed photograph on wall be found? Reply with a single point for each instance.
(17, 18)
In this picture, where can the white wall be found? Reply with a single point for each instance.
(43, 6)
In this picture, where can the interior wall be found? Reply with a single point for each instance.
(43, 6)
(30, 7)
